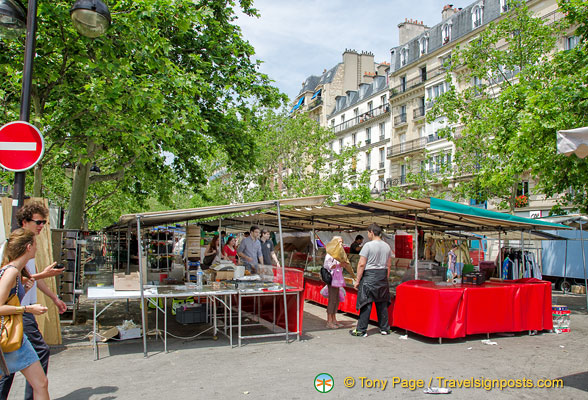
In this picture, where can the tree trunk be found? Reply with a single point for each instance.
(38, 185)
(77, 201)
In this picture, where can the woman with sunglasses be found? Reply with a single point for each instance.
(20, 248)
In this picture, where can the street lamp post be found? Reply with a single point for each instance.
(385, 187)
(91, 18)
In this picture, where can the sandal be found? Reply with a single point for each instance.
(331, 326)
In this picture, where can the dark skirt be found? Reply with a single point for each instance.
(373, 287)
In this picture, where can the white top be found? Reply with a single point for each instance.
(31, 296)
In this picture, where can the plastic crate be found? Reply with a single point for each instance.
(474, 278)
(191, 314)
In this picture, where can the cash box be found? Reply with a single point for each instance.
(473, 278)
(191, 313)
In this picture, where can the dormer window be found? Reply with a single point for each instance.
(423, 45)
(403, 57)
(504, 7)
(477, 14)
(446, 33)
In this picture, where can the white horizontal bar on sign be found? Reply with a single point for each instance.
(18, 146)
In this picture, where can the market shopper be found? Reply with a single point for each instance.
(250, 250)
(211, 253)
(373, 270)
(267, 249)
(337, 282)
(19, 249)
(355, 247)
(230, 250)
(452, 261)
(32, 217)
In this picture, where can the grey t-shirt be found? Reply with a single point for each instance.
(377, 253)
(251, 248)
(266, 249)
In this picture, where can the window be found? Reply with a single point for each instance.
(355, 112)
(403, 174)
(370, 106)
(403, 84)
(477, 13)
(523, 189)
(340, 145)
(446, 33)
(424, 45)
(403, 110)
(435, 91)
(368, 160)
(354, 138)
(332, 122)
(383, 99)
(382, 130)
(424, 73)
(422, 131)
(382, 157)
(368, 135)
(504, 7)
(571, 42)
(342, 118)
(445, 61)
(403, 57)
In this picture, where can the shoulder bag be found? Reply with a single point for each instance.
(326, 276)
(11, 325)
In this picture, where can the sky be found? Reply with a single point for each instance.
(299, 38)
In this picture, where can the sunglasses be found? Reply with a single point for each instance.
(39, 221)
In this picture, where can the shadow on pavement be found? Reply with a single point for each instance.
(87, 392)
(578, 381)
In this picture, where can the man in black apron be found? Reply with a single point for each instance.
(373, 270)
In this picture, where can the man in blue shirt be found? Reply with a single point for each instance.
(250, 250)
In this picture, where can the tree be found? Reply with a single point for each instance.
(493, 81)
(562, 103)
(170, 85)
(294, 159)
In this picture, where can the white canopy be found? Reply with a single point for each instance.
(573, 141)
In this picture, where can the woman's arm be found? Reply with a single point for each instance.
(7, 282)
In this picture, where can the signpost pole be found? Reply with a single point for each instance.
(25, 103)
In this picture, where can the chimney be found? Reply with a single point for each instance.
(447, 12)
(410, 29)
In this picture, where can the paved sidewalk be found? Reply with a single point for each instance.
(273, 369)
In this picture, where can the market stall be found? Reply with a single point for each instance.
(411, 219)
(285, 285)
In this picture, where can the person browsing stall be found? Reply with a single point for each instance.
(250, 250)
(267, 249)
(230, 250)
(355, 247)
(19, 249)
(211, 253)
(373, 270)
(32, 217)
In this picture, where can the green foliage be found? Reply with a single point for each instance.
(293, 160)
(496, 146)
(168, 87)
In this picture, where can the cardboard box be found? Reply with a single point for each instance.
(125, 334)
(578, 289)
(127, 282)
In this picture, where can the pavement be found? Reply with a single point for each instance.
(273, 369)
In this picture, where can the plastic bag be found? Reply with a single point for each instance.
(325, 292)
(342, 295)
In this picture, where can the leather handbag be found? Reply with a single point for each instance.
(11, 325)
(326, 276)
(11, 328)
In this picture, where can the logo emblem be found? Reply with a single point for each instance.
(324, 383)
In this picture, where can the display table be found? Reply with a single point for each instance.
(440, 310)
(152, 293)
(313, 286)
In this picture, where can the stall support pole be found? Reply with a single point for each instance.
(565, 268)
(499, 255)
(128, 249)
(584, 260)
(416, 247)
(523, 253)
(283, 272)
(141, 272)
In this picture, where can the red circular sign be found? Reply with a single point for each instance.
(21, 146)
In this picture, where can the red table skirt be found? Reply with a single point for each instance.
(312, 288)
(458, 310)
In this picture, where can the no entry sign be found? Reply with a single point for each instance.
(21, 146)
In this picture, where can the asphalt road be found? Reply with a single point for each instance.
(273, 369)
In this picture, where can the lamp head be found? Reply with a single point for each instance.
(91, 18)
(13, 18)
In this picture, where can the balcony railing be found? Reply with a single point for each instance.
(361, 118)
(418, 112)
(407, 147)
(400, 119)
(315, 103)
(408, 85)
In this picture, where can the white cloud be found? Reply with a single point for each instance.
(299, 38)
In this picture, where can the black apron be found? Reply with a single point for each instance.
(373, 287)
